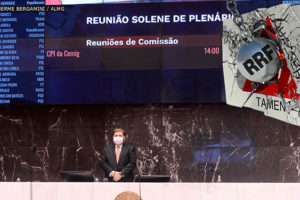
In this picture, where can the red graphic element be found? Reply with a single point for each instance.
(283, 87)
(53, 2)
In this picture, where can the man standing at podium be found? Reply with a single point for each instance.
(119, 159)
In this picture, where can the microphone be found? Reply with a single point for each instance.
(140, 190)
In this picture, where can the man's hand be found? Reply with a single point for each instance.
(117, 176)
(112, 174)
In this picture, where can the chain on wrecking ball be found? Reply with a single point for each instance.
(257, 58)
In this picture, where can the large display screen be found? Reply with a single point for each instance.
(52, 52)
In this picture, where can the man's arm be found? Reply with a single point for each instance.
(131, 164)
(104, 163)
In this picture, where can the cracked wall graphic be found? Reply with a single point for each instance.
(279, 96)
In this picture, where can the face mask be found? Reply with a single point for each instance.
(118, 140)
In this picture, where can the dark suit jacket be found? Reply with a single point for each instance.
(126, 164)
